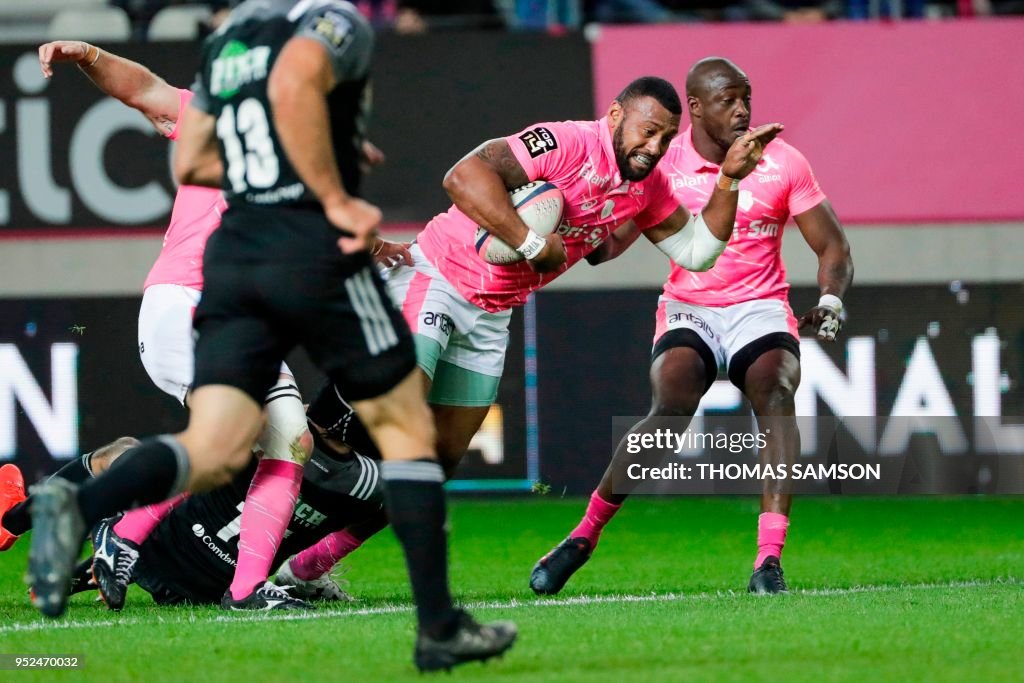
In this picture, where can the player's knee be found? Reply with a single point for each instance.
(217, 455)
(286, 437)
(679, 397)
(418, 426)
(103, 458)
(118, 446)
(124, 443)
(305, 444)
(408, 415)
(675, 406)
(399, 427)
(774, 396)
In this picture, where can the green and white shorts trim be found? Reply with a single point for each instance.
(459, 345)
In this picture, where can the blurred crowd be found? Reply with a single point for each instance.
(420, 16)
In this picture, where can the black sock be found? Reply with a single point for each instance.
(332, 413)
(416, 508)
(17, 520)
(153, 471)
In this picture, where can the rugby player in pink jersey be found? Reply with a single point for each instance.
(735, 315)
(458, 306)
(172, 291)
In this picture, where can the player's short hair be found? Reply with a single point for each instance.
(652, 86)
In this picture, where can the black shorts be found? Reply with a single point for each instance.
(257, 306)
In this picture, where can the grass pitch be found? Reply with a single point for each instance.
(883, 589)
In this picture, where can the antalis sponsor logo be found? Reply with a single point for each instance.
(237, 65)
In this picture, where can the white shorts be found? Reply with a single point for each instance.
(166, 343)
(462, 334)
(726, 329)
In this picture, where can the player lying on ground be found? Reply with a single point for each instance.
(190, 557)
(339, 508)
(736, 315)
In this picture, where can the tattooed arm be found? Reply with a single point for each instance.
(479, 183)
(122, 79)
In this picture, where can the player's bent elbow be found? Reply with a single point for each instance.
(702, 265)
(847, 258)
(453, 180)
(685, 255)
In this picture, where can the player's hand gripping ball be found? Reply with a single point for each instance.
(540, 206)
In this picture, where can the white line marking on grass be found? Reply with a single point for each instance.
(515, 603)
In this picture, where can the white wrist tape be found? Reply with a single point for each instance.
(693, 247)
(831, 301)
(724, 182)
(531, 246)
(832, 321)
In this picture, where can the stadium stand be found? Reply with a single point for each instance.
(179, 22)
(99, 23)
(22, 21)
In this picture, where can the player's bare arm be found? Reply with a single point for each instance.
(479, 184)
(390, 254)
(385, 253)
(197, 157)
(370, 157)
(696, 243)
(122, 79)
(821, 229)
(301, 78)
(617, 242)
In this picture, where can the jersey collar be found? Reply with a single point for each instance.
(691, 157)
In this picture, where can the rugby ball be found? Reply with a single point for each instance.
(540, 205)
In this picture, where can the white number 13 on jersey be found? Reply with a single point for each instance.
(256, 164)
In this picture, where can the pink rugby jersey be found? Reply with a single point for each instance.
(751, 267)
(196, 213)
(578, 158)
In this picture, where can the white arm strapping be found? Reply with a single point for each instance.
(693, 247)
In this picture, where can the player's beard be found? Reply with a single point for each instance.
(622, 160)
